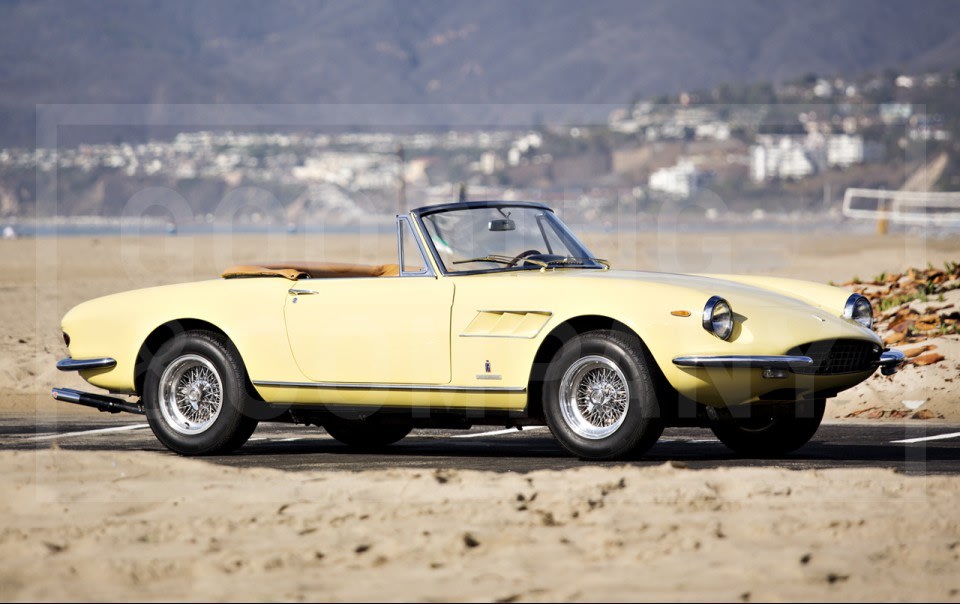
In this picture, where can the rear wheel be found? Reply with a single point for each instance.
(599, 398)
(772, 432)
(195, 397)
(366, 434)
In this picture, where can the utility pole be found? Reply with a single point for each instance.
(402, 180)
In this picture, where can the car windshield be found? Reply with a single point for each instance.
(503, 237)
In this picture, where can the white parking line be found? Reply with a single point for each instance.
(83, 432)
(289, 440)
(686, 441)
(926, 438)
(498, 432)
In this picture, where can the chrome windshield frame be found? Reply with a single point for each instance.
(563, 232)
(428, 267)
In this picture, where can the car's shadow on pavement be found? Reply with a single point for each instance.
(836, 446)
(533, 453)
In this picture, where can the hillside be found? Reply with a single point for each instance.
(424, 52)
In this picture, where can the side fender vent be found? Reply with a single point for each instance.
(507, 324)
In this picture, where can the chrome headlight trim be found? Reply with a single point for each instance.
(858, 309)
(715, 308)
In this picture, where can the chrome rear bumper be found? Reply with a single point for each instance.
(70, 364)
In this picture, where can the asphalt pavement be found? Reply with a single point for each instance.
(913, 447)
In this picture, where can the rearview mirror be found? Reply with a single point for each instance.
(502, 224)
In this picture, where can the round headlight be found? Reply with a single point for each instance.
(718, 317)
(858, 309)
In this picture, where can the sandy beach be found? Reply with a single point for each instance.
(95, 526)
(76, 526)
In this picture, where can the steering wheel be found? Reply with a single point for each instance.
(523, 255)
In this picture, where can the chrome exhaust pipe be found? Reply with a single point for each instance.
(106, 404)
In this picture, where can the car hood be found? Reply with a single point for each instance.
(758, 291)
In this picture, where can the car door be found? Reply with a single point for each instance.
(374, 330)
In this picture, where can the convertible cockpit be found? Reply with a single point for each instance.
(312, 270)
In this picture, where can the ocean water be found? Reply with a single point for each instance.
(825, 223)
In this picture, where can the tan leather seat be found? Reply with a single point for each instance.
(390, 270)
(311, 270)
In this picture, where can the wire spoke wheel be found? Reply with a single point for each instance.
(594, 397)
(191, 394)
(599, 399)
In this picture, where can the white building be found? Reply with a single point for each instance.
(904, 81)
(520, 147)
(625, 126)
(845, 150)
(785, 157)
(489, 162)
(893, 113)
(795, 157)
(713, 130)
(681, 180)
(823, 88)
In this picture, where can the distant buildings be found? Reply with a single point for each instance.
(844, 150)
(796, 157)
(927, 128)
(679, 123)
(894, 113)
(905, 81)
(682, 180)
(523, 146)
(823, 89)
(784, 157)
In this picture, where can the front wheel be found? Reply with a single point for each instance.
(599, 398)
(195, 397)
(771, 433)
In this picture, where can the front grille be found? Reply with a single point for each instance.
(831, 357)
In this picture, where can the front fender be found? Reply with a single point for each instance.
(826, 297)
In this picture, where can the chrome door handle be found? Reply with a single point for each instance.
(302, 292)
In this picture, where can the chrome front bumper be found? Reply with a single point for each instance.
(889, 362)
(787, 362)
(70, 364)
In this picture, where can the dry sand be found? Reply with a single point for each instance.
(101, 526)
(90, 526)
(931, 392)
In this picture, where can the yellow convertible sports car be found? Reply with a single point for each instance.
(494, 313)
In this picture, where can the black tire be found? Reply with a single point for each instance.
(366, 434)
(640, 423)
(771, 434)
(199, 351)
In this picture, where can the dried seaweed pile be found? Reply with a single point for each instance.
(877, 412)
(912, 307)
